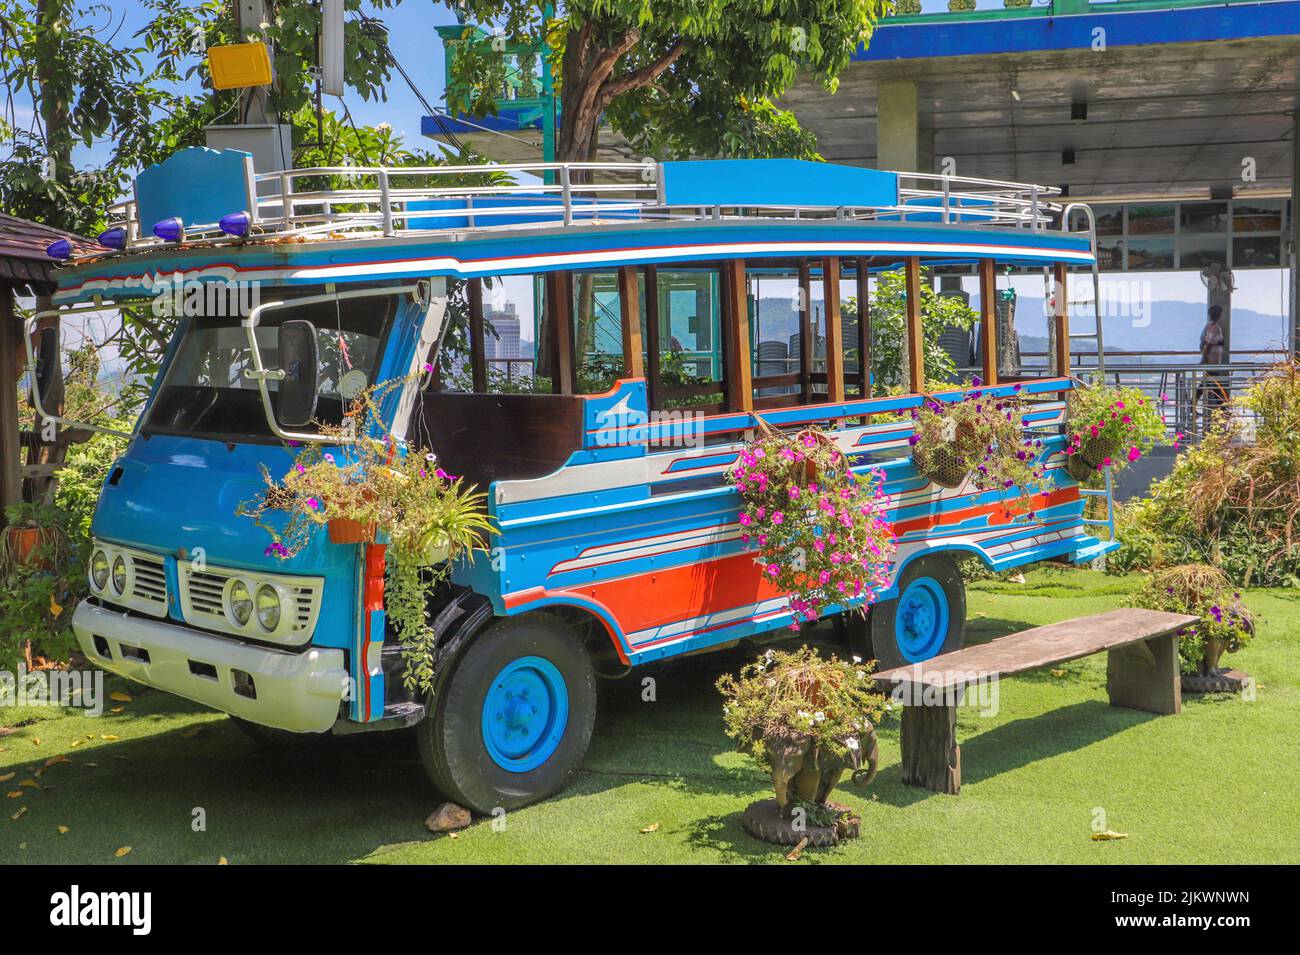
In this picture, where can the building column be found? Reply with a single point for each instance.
(900, 142)
(11, 482)
(1295, 233)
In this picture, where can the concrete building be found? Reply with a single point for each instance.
(1177, 119)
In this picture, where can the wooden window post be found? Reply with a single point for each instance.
(11, 480)
(477, 350)
(915, 343)
(807, 334)
(654, 381)
(864, 329)
(988, 323)
(834, 333)
(559, 310)
(629, 299)
(1062, 319)
(735, 332)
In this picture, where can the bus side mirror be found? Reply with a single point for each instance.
(47, 362)
(300, 362)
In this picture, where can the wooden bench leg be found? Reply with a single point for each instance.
(931, 756)
(1145, 676)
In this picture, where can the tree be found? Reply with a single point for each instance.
(888, 316)
(678, 78)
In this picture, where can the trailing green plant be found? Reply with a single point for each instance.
(798, 696)
(980, 438)
(1111, 427)
(820, 530)
(425, 516)
(1207, 593)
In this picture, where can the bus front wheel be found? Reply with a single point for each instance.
(511, 721)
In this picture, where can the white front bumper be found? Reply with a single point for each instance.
(293, 691)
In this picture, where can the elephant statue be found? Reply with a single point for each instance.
(802, 771)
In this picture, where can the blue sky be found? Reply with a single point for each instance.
(418, 48)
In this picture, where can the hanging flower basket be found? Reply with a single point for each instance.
(945, 466)
(346, 530)
(1093, 455)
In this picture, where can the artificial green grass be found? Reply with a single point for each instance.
(1216, 784)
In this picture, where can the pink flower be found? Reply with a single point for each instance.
(1134, 454)
(745, 520)
(778, 517)
(773, 570)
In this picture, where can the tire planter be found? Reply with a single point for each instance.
(1083, 464)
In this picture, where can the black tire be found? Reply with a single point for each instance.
(452, 743)
(940, 570)
(270, 737)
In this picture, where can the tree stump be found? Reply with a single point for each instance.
(931, 756)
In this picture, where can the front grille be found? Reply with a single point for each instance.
(146, 580)
(203, 602)
(150, 579)
(205, 594)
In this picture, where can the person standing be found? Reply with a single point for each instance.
(1214, 384)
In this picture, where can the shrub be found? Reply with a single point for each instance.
(39, 594)
(1229, 501)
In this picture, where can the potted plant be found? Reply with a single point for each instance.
(957, 6)
(806, 721)
(1109, 427)
(979, 438)
(1017, 3)
(902, 7)
(366, 487)
(1225, 625)
(821, 532)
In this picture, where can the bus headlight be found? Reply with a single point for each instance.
(241, 603)
(119, 575)
(99, 570)
(268, 607)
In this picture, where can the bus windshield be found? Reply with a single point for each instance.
(204, 392)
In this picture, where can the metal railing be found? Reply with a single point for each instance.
(398, 200)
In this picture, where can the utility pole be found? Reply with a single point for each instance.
(250, 15)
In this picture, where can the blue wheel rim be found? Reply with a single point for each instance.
(524, 714)
(921, 619)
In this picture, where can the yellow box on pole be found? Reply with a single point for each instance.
(236, 65)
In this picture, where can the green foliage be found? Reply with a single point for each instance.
(1229, 501)
(798, 695)
(677, 79)
(89, 86)
(39, 594)
(889, 323)
(821, 531)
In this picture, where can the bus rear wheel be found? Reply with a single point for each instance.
(927, 618)
(512, 720)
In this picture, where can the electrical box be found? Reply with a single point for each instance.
(237, 65)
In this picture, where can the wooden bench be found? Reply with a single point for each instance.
(1141, 673)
